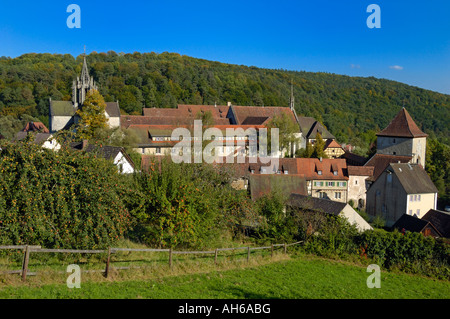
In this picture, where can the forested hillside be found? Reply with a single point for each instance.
(348, 106)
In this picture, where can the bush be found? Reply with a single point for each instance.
(65, 199)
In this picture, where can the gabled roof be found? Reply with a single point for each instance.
(62, 108)
(353, 159)
(381, 161)
(309, 167)
(108, 152)
(330, 143)
(413, 224)
(309, 127)
(35, 127)
(402, 126)
(316, 204)
(440, 220)
(112, 108)
(39, 138)
(413, 178)
(260, 114)
(360, 170)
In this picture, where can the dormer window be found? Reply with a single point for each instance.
(286, 172)
(319, 172)
(335, 173)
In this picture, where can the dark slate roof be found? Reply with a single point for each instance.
(381, 161)
(108, 152)
(413, 178)
(39, 138)
(309, 127)
(61, 108)
(402, 126)
(316, 204)
(410, 223)
(112, 108)
(353, 159)
(440, 220)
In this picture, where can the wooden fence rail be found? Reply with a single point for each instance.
(28, 249)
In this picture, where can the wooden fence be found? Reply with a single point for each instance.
(28, 249)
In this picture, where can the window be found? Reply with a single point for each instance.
(389, 178)
(329, 184)
(393, 141)
(319, 172)
(418, 198)
(410, 212)
(158, 150)
(286, 172)
(356, 182)
(418, 212)
(394, 153)
(335, 173)
(337, 195)
(410, 198)
(322, 195)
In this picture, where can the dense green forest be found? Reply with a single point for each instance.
(348, 106)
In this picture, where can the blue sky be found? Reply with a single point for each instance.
(412, 45)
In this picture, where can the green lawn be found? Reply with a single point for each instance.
(297, 278)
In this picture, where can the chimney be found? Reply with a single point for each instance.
(228, 103)
(320, 159)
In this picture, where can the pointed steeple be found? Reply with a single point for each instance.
(291, 99)
(85, 72)
(402, 126)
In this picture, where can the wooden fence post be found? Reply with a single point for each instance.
(170, 258)
(26, 259)
(248, 254)
(271, 250)
(108, 259)
(285, 248)
(215, 256)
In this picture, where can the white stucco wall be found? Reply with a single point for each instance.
(354, 218)
(121, 161)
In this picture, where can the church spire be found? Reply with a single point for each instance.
(291, 99)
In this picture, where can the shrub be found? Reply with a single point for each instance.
(65, 199)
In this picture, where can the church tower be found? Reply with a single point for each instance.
(82, 85)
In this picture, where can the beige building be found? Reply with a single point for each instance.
(358, 184)
(325, 178)
(403, 137)
(402, 188)
(332, 149)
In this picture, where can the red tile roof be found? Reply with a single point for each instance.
(402, 126)
(310, 167)
(35, 127)
(360, 170)
(260, 114)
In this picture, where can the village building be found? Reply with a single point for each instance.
(414, 224)
(325, 178)
(41, 135)
(440, 220)
(403, 188)
(62, 114)
(117, 155)
(326, 206)
(358, 184)
(332, 149)
(309, 127)
(403, 137)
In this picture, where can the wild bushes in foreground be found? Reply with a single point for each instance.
(64, 199)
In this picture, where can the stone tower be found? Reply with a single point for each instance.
(403, 137)
(82, 85)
